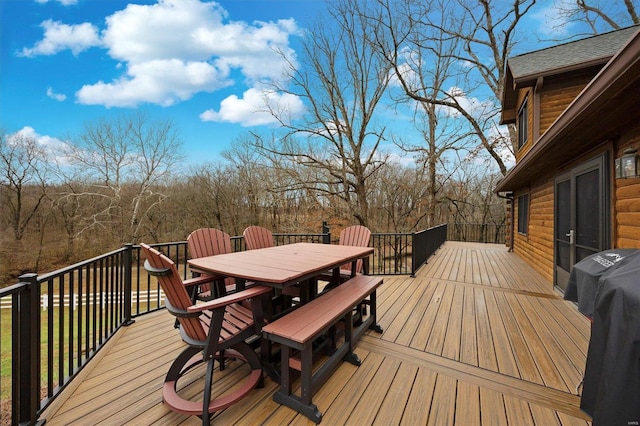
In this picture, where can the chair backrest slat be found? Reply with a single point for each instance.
(174, 291)
(256, 237)
(205, 242)
(356, 236)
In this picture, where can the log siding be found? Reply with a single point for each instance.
(627, 198)
(536, 248)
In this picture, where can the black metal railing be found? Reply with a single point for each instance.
(57, 322)
(74, 311)
(477, 232)
(425, 244)
(392, 254)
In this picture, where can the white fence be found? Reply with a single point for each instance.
(152, 296)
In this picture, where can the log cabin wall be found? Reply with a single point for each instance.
(550, 98)
(536, 247)
(627, 198)
(604, 119)
(558, 92)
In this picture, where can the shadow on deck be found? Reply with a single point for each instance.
(477, 337)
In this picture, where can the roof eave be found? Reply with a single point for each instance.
(594, 97)
(529, 80)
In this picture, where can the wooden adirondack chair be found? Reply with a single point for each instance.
(205, 242)
(257, 237)
(213, 330)
(355, 236)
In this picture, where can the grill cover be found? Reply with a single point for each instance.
(583, 281)
(611, 391)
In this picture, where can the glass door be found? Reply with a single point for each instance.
(581, 216)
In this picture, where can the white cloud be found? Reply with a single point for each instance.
(163, 82)
(499, 136)
(407, 73)
(29, 132)
(396, 156)
(168, 51)
(252, 108)
(256, 50)
(59, 37)
(173, 49)
(56, 96)
(52, 147)
(409, 62)
(165, 30)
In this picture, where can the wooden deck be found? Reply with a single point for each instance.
(476, 338)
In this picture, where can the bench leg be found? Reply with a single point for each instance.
(372, 307)
(285, 371)
(284, 396)
(351, 357)
(306, 391)
(309, 411)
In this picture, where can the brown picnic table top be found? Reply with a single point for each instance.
(282, 266)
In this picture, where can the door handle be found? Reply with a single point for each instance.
(571, 236)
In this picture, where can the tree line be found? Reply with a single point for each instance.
(131, 190)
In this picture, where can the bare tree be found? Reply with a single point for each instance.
(23, 169)
(253, 183)
(600, 16)
(23, 193)
(70, 211)
(342, 83)
(122, 163)
(399, 198)
(429, 71)
(477, 37)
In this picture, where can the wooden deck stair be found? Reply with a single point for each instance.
(476, 338)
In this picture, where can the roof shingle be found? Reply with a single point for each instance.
(599, 48)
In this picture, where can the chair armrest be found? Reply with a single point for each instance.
(204, 279)
(231, 298)
(159, 272)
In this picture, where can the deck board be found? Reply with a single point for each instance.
(476, 338)
(468, 337)
(468, 404)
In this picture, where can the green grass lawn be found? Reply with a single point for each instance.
(6, 344)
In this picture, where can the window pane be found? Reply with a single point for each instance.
(588, 209)
(523, 213)
(523, 124)
(563, 255)
(563, 210)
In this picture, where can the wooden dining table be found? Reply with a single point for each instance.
(286, 265)
(281, 267)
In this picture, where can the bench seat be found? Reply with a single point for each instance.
(296, 332)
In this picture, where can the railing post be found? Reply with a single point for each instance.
(26, 374)
(414, 254)
(128, 266)
(326, 233)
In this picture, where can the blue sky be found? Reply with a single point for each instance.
(65, 63)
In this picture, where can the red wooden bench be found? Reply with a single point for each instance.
(296, 332)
